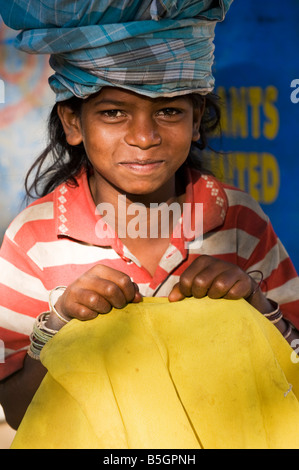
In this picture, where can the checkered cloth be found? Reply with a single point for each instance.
(153, 47)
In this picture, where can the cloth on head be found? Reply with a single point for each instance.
(153, 47)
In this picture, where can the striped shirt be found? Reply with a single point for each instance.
(56, 239)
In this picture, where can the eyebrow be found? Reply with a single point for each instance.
(109, 102)
(159, 101)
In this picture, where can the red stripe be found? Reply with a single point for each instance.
(283, 273)
(20, 303)
(12, 364)
(290, 312)
(13, 340)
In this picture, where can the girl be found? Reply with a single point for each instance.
(136, 146)
(122, 146)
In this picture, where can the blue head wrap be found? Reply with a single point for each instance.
(152, 47)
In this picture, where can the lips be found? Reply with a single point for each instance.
(142, 166)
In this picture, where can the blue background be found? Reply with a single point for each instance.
(258, 46)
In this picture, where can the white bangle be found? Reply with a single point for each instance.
(275, 316)
(51, 304)
(40, 335)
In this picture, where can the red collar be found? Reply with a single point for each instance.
(76, 216)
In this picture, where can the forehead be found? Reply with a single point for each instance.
(122, 96)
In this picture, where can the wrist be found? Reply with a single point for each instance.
(40, 335)
(54, 305)
(284, 327)
(54, 322)
(276, 318)
(259, 301)
(271, 310)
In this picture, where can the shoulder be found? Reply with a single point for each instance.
(240, 201)
(40, 220)
(237, 200)
(239, 209)
(33, 215)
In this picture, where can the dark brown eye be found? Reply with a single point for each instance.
(168, 112)
(112, 113)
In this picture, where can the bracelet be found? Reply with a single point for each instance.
(40, 335)
(259, 283)
(51, 305)
(276, 316)
(289, 330)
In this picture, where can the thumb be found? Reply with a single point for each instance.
(138, 296)
(175, 294)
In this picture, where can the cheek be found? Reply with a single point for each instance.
(97, 143)
(179, 140)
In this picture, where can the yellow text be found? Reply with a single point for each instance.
(249, 112)
(256, 173)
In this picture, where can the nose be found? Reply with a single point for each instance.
(143, 133)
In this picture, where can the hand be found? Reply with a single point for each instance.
(215, 278)
(97, 291)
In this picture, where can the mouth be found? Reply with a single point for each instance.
(145, 166)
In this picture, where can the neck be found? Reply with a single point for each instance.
(135, 216)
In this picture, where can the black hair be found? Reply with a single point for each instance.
(61, 162)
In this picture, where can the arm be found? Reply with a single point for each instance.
(17, 390)
(95, 292)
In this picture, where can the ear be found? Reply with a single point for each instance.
(71, 124)
(197, 116)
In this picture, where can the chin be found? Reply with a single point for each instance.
(139, 192)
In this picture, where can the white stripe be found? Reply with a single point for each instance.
(226, 241)
(288, 292)
(62, 252)
(167, 286)
(15, 321)
(10, 352)
(42, 211)
(22, 282)
(130, 256)
(243, 199)
(171, 259)
(145, 290)
(271, 261)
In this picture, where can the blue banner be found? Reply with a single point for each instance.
(257, 78)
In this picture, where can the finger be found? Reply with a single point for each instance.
(82, 312)
(90, 302)
(195, 270)
(122, 280)
(81, 304)
(138, 296)
(241, 289)
(205, 280)
(176, 294)
(230, 284)
(112, 293)
(98, 297)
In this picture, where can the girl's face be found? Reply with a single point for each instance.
(135, 144)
